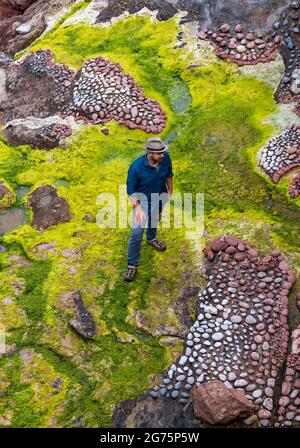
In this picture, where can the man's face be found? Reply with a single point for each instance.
(156, 157)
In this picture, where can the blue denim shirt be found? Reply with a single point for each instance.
(145, 178)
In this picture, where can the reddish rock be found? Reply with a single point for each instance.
(216, 404)
(286, 388)
(231, 240)
(218, 244)
(208, 253)
(239, 28)
(225, 28)
(283, 266)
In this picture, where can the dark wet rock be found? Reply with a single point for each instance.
(150, 412)
(5, 60)
(20, 14)
(253, 13)
(22, 21)
(83, 322)
(48, 208)
(216, 404)
(44, 137)
(7, 197)
(11, 8)
(165, 10)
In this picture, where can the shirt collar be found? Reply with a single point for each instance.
(146, 163)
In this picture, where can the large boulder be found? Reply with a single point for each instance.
(22, 21)
(216, 404)
(44, 137)
(82, 322)
(48, 208)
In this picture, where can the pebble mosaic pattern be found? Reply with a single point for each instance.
(103, 91)
(241, 334)
(241, 46)
(245, 47)
(56, 131)
(294, 186)
(42, 62)
(99, 92)
(281, 154)
(289, 403)
(289, 27)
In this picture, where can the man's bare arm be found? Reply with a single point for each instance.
(170, 185)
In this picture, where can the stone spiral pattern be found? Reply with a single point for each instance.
(241, 334)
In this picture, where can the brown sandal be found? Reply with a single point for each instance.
(159, 245)
(130, 273)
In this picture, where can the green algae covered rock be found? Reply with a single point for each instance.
(7, 196)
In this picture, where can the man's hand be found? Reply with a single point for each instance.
(139, 214)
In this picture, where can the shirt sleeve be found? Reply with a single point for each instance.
(132, 181)
(170, 171)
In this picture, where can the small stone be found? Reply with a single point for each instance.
(257, 393)
(286, 388)
(225, 28)
(283, 266)
(268, 404)
(250, 420)
(258, 339)
(269, 392)
(250, 45)
(154, 394)
(24, 28)
(255, 356)
(183, 360)
(232, 376)
(241, 48)
(236, 319)
(240, 383)
(217, 336)
(250, 320)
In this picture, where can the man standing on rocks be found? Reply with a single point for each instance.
(148, 176)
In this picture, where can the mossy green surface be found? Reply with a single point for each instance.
(216, 139)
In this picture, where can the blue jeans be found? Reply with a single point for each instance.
(137, 231)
